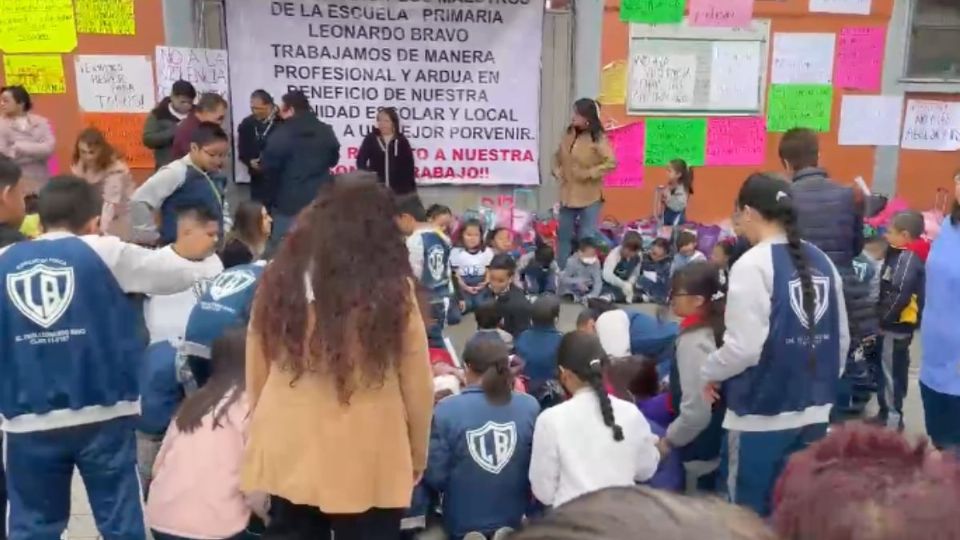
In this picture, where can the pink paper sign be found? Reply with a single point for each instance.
(627, 143)
(859, 64)
(736, 141)
(730, 13)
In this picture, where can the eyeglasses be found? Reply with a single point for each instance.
(212, 155)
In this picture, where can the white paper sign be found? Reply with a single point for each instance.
(856, 7)
(659, 81)
(464, 78)
(931, 125)
(205, 69)
(870, 120)
(800, 58)
(114, 83)
(734, 71)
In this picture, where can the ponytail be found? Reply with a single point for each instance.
(497, 381)
(799, 259)
(595, 380)
(686, 174)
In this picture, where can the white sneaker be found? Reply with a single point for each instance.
(502, 534)
(474, 536)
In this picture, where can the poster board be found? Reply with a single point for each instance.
(686, 70)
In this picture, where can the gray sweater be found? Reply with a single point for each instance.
(693, 348)
(581, 280)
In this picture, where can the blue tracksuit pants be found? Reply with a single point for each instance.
(40, 471)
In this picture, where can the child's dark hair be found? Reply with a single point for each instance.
(491, 359)
(632, 241)
(727, 246)
(437, 210)
(503, 262)
(686, 238)
(661, 243)
(770, 197)
(488, 316)
(686, 174)
(492, 235)
(910, 222)
(197, 212)
(68, 202)
(412, 206)
(582, 354)
(226, 384)
(470, 223)
(586, 315)
(799, 148)
(31, 203)
(703, 279)
(586, 243)
(544, 255)
(208, 133)
(545, 310)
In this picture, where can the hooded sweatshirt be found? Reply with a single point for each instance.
(940, 369)
(392, 160)
(902, 281)
(626, 332)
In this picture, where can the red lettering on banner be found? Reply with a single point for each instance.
(492, 154)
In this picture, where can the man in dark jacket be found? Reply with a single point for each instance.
(162, 122)
(829, 217)
(211, 108)
(297, 161)
(252, 136)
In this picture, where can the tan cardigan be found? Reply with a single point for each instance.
(308, 448)
(579, 166)
(116, 185)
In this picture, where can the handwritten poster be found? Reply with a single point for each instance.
(734, 72)
(613, 83)
(855, 7)
(114, 83)
(799, 105)
(802, 58)
(870, 120)
(662, 81)
(860, 58)
(115, 17)
(206, 69)
(675, 138)
(37, 26)
(729, 13)
(38, 73)
(931, 125)
(627, 143)
(123, 132)
(652, 11)
(736, 141)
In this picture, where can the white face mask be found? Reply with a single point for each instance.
(589, 260)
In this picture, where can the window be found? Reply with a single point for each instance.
(934, 52)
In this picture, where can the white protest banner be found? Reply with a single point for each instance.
(114, 83)
(931, 125)
(465, 78)
(205, 69)
(734, 70)
(803, 58)
(855, 7)
(658, 81)
(870, 120)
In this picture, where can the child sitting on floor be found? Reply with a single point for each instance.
(539, 271)
(538, 347)
(581, 278)
(489, 321)
(686, 251)
(621, 269)
(654, 280)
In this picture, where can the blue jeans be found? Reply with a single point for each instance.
(942, 415)
(583, 221)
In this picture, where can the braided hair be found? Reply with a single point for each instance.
(581, 354)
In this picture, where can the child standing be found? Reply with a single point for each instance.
(196, 486)
(512, 304)
(686, 251)
(480, 448)
(621, 269)
(592, 441)
(469, 261)
(677, 195)
(582, 277)
(901, 299)
(654, 281)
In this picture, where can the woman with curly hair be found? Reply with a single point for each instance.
(337, 372)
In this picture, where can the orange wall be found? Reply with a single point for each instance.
(63, 110)
(716, 187)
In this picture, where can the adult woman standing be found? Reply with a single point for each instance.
(26, 138)
(579, 165)
(337, 372)
(387, 152)
(247, 240)
(97, 162)
(940, 372)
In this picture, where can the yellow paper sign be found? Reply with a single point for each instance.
(38, 73)
(613, 83)
(106, 17)
(37, 26)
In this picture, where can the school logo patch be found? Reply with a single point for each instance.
(230, 283)
(436, 262)
(42, 293)
(821, 288)
(492, 446)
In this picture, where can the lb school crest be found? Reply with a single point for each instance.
(436, 262)
(492, 446)
(42, 293)
(231, 282)
(821, 288)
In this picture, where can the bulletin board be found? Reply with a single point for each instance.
(692, 70)
(128, 28)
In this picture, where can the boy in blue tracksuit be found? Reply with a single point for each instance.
(538, 346)
(480, 447)
(630, 332)
(69, 351)
(160, 396)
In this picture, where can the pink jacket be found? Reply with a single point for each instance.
(29, 141)
(195, 492)
(116, 185)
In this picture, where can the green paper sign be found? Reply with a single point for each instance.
(675, 138)
(652, 11)
(799, 105)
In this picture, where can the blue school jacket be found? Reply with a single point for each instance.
(538, 348)
(160, 390)
(480, 460)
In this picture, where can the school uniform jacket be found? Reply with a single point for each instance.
(429, 251)
(69, 335)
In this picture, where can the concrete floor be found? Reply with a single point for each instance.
(82, 526)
